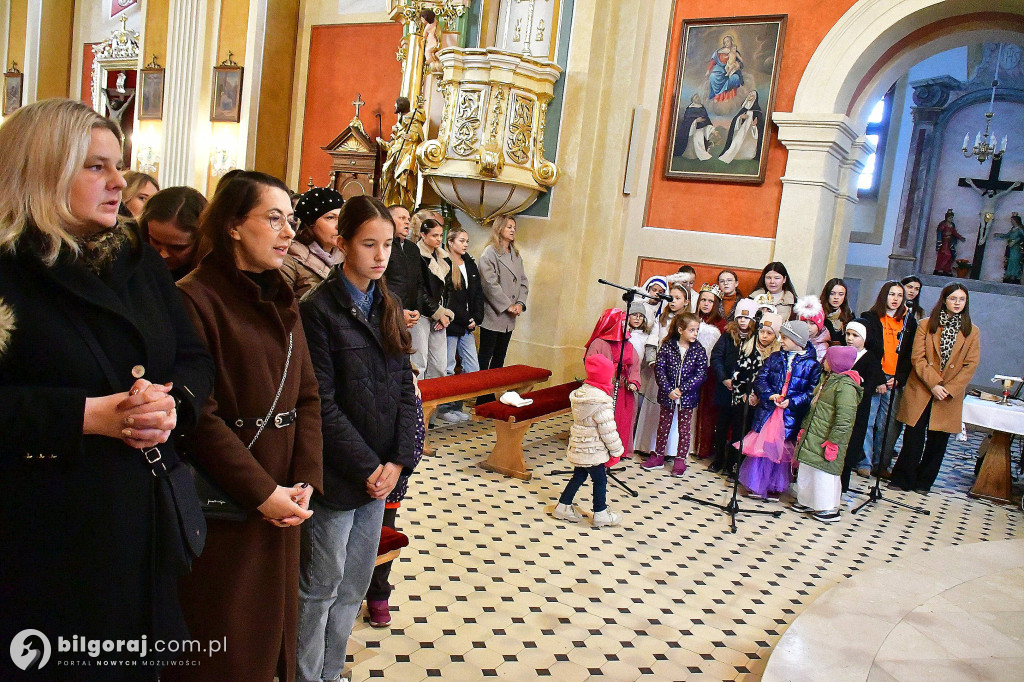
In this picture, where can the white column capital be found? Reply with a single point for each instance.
(829, 133)
(825, 156)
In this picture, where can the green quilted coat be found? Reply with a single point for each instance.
(830, 419)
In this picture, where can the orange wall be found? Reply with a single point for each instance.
(344, 61)
(649, 267)
(751, 210)
(87, 59)
(274, 123)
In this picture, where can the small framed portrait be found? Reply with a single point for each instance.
(151, 106)
(725, 83)
(226, 98)
(13, 82)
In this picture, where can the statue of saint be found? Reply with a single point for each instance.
(401, 170)
(946, 238)
(1013, 259)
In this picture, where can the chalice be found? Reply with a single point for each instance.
(1008, 383)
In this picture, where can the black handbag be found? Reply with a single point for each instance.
(180, 524)
(215, 503)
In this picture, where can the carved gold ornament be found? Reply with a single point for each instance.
(487, 157)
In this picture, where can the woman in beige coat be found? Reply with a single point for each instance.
(944, 358)
(315, 249)
(505, 288)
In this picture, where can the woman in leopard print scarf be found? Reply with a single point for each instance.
(945, 355)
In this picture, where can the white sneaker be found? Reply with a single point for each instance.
(450, 417)
(566, 512)
(606, 517)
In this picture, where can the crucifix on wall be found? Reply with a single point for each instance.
(991, 189)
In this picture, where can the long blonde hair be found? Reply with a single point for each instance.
(43, 146)
(499, 224)
(454, 232)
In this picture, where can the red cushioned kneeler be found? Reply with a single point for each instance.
(512, 423)
(481, 382)
(545, 401)
(390, 545)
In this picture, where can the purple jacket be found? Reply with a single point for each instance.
(667, 366)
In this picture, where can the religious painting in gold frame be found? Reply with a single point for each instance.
(726, 78)
(226, 95)
(151, 105)
(14, 81)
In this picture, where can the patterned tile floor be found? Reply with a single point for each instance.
(491, 587)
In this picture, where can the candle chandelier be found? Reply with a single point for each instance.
(987, 144)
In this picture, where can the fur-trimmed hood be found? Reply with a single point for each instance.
(6, 325)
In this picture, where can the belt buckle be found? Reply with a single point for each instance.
(149, 458)
(279, 420)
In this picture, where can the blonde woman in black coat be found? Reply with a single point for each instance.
(98, 360)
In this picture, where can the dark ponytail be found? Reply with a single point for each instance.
(354, 213)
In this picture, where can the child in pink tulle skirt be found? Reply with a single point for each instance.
(784, 387)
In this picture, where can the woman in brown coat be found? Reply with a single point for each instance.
(945, 356)
(243, 591)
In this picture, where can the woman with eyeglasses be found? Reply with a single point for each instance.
(945, 357)
(258, 438)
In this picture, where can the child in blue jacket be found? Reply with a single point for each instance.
(787, 380)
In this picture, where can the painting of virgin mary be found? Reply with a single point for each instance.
(726, 77)
(725, 71)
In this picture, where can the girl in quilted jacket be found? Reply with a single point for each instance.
(826, 435)
(593, 441)
(787, 380)
(680, 368)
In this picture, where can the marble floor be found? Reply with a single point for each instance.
(958, 616)
(491, 587)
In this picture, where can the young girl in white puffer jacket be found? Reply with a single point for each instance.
(594, 443)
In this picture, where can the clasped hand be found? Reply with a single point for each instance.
(287, 506)
(383, 480)
(142, 418)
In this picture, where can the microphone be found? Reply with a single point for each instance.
(655, 297)
(635, 291)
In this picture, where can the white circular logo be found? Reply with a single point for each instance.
(30, 650)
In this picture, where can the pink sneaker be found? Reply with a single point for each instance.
(380, 613)
(679, 467)
(654, 462)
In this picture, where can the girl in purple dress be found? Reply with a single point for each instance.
(680, 369)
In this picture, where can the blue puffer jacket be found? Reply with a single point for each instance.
(769, 382)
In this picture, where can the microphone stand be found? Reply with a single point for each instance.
(628, 297)
(733, 508)
(875, 493)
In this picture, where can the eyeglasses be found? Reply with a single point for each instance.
(278, 221)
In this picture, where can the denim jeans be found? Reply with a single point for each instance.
(339, 549)
(876, 428)
(466, 347)
(599, 474)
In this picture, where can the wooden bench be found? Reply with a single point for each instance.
(512, 423)
(390, 545)
(467, 385)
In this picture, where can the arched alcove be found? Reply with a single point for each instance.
(873, 44)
